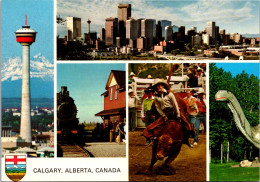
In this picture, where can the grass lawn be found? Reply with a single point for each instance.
(224, 172)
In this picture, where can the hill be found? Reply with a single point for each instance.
(16, 102)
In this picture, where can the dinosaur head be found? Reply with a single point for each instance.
(222, 95)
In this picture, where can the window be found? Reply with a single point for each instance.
(111, 93)
(116, 92)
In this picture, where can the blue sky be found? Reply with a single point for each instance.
(86, 82)
(240, 16)
(39, 17)
(237, 68)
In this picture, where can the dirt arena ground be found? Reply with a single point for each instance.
(190, 164)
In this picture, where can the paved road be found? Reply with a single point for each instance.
(106, 149)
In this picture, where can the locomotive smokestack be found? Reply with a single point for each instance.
(63, 89)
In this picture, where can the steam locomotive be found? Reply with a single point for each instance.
(68, 128)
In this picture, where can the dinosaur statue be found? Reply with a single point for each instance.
(252, 133)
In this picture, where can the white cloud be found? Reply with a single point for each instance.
(219, 11)
(40, 67)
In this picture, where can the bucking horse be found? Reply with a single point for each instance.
(167, 136)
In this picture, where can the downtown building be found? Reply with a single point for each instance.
(214, 33)
(196, 40)
(102, 34)
(123, 14)
(131, 32)
(73, 28)
(165, 23)
(168, 33)
(111, 27)
(147, 30)
(237, 38)
(206, 39)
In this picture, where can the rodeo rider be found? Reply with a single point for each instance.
(168, 108)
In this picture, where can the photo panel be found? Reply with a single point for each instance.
(27, 79)
(157, 30)
(91, 114)
(234, 121)
(167, 121)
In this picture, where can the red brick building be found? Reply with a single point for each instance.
(114, 99)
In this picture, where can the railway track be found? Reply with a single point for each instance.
(73, 150)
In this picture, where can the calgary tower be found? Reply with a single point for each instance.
(26, 36)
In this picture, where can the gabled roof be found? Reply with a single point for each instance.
(119, 76)
(111, 112)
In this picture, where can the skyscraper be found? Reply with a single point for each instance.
(73, 28)
(211, 31)
(182, 33)
(139, 26)
(111, 27)
(175, 28)
(217, 37)
(131, 31)
(147, 31)
(123, 14)
(159, 31)
(154, 27)
(102, 34)
(165, 23)
(168, 33)
(206, 39)
(222, 31)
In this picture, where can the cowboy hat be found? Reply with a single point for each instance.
(149, 89)
(130, 91)
(149, 76)
(132, 74)
(190, 73)
(199, 69)
(160, 81)
(201, 91)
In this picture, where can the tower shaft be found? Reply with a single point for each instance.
(25, 130)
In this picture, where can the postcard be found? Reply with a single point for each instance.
(139, 90)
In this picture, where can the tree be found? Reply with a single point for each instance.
(188, 47)
(205, 47)
(175, 51)
(60, 20)
(195, 48)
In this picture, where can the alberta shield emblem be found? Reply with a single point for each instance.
(15, 167)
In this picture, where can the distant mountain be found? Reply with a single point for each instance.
(41, 77)
(250, 35)
(40, 67)
(16, 102)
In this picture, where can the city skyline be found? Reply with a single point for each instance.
(228, 15)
